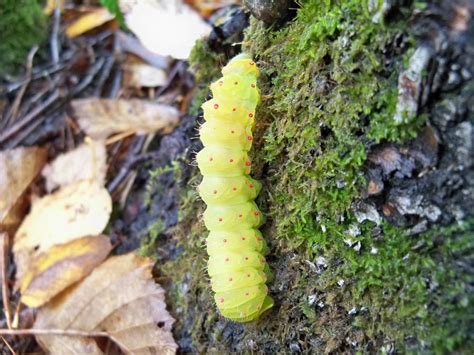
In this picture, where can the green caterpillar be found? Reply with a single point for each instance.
(236, 264)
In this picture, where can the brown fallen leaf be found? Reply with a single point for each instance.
(89, 21)
(18, 168)
(76, 210)
(120, 298)
(88, 161)
(62, 265)
(101, 117)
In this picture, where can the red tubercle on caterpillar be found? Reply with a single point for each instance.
(221, 300)
(247, 163)
(251, 186)
(256, 214)
(253, 86)
(250, 114)
(231, 160)
(249, 138)
(243, 238)
(236, 82)
(214, 192)
(220, 219)
(230, 279)
(234, 189)
(259, 239)
(211, 158)
(216, 106)
(252, 63)
(225, 240)
(234, 109)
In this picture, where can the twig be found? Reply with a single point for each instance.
(95, 68)
(16, 104)
(64, 332)
(54, 42)
(8, 346)
(120, 136)
(109, 63)
(29, 118)
(3, 269)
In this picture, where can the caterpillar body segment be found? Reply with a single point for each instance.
(236, 249)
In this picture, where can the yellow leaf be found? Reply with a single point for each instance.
(88, 161)
(62, 265)
(89, 21)
(120, 298)
(101, 117)
(18, 168)
(76, 210)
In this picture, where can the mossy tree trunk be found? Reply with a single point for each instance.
(364, 144)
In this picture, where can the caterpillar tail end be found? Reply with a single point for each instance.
(266, 305)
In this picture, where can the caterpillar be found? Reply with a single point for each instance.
(235, 246)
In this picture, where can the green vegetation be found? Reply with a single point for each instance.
(328, 92)
(22, 25)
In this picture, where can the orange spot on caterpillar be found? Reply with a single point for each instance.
(243, 238)
(215, 191)
(211, 159)
(230, 279)
(246, 258)
(236, 82)
(250, 114)
(225, 240)
(221, 299)
(231, 160)
(252, 63)
(216, 106)
(234, 109)
(232, 131)
(240, 216)
(252, 85)
(226, 259)
(234, 189)
(249, 138)
(220, 219)
(259, 239)
(251, 186)
(256, 214)
(247, 163)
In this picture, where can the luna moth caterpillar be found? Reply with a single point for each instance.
(236, 264)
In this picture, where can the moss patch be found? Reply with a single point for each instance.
(330, 91)
(22, 25)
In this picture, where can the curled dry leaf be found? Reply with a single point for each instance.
(101, 117)
(89, 21)
(18, 168)
(77, 210)
(86, 162)
(153, 21)
(120, 298)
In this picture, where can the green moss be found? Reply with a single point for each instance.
(328, 93)
(22, 25)
(206, 65)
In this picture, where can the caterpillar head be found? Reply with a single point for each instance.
(241, 64)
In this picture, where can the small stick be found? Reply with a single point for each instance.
(8, 346)
(120, 136)
(3, 269)
(54, 43)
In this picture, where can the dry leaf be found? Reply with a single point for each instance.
(86, 162)
(77, 210)
(89, 21)
(165, 27)
(143, 75)
(101, 117)
(207, 7)
(119, 297)
(18, 168)
(61, 266)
